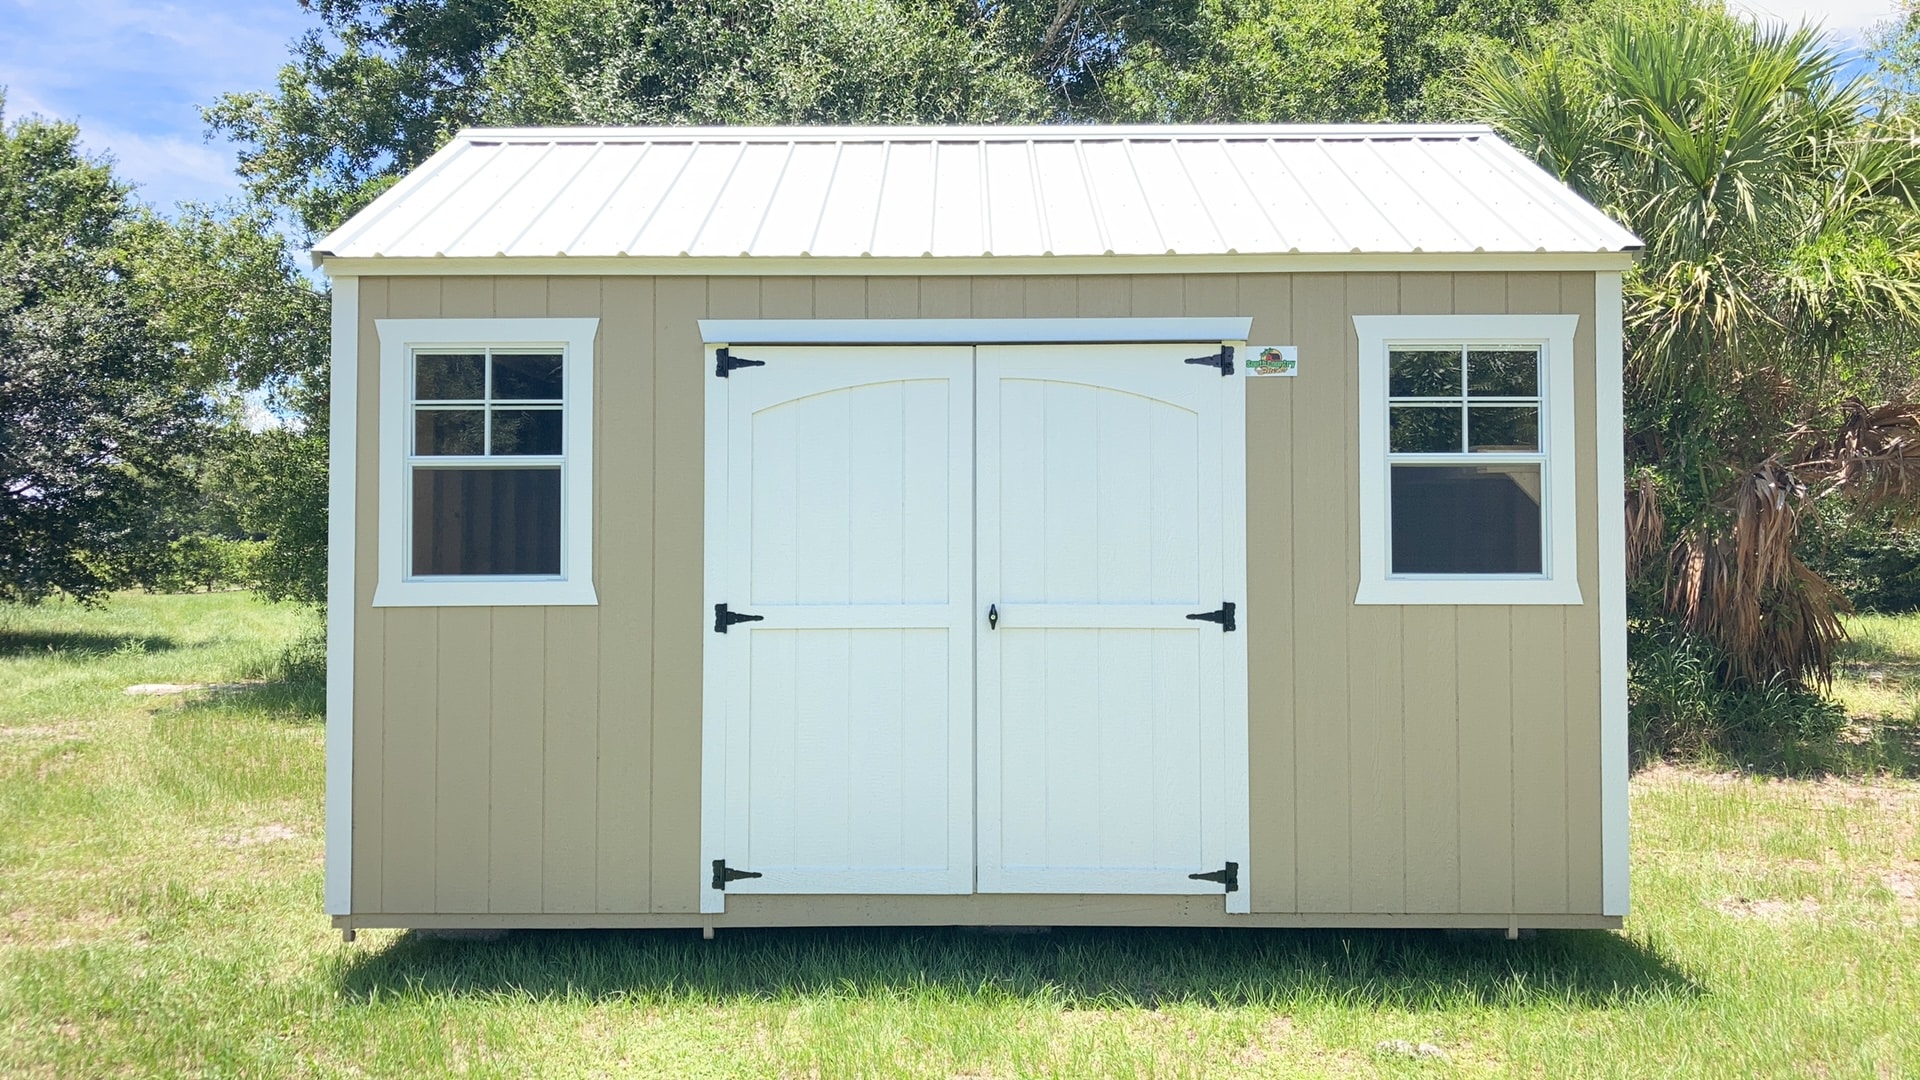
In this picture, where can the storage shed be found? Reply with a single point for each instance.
(1026, 525)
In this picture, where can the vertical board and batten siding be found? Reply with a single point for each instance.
(1419, 760)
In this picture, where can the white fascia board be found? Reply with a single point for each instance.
(1402, 262)
(969, 331)
(1609, 429)
(343, 401)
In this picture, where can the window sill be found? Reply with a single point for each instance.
(485, 593)
(1470, 591)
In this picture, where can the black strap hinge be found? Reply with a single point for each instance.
(1228, 876)
(1222, 360)
(722, 618)
(1224, 617)
(725, 362)
(722, 873)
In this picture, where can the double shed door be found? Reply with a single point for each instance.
(966, 662)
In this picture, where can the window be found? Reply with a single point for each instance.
(486, 471)
(1467, 458)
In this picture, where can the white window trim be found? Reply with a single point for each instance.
(1559, 584)
(399, 338)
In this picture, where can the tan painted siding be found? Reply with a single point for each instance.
(1404, 761)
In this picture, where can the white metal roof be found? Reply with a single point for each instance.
(1058, 191)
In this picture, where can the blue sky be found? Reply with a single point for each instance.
(133, 73)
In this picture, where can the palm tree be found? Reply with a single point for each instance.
(1783, 250)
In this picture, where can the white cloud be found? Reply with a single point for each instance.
(134, 74)
(1846, 21)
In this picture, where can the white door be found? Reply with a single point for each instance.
(841, 721)
(1109, 513)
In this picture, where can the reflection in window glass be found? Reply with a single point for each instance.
(473, 517)
(1503, 372)
(449, 431)
(1425, 429)
(526, 431)
(448, 377)
(486, 521)
(1499, 429)
(1423, 373)
(1466, 519)
(524, 377)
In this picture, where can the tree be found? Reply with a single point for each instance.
(1781, 273)
(1299, 61)
(94, 415)
(220, 285)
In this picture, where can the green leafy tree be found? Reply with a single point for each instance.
(95, 416)
(221, 286)
(1298, 61)
(1781, 273)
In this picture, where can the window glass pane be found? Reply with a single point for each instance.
(1466, 519)
(446, 377)
(1502, 429)
(1503, 372)
(526, 377)
(447, 431)
(1425, 429)
(526, 431)
(486, 521)
(1423, 373)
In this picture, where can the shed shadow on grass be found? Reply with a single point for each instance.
(79, 646)
(1076, 967)
(290, 687)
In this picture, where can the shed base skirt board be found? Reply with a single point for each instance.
(1169, 911)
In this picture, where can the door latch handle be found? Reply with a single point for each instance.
(993, 617)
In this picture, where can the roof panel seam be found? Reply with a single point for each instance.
(719, 196)
(393, 197)
(553, 200)
(826, 196)
(1093, 199)
(645, 153)
(1219, 234)
(659, 201)
(497, 200)
(773, 193)
(1040, 199)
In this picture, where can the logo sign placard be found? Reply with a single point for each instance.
(1273, 359)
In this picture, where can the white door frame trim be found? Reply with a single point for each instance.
(1117, 330)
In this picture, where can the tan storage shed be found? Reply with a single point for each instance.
(1058, 525)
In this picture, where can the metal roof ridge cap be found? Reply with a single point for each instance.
(971, 132)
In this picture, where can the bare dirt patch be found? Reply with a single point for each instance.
(260, 834)
(165, 689)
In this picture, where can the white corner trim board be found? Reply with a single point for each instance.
(399, 338)
(341, 432)
(1559, 583)
(1609, 430)
(971, 331)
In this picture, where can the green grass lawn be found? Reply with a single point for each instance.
(160, 892)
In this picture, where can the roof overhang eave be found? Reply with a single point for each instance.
(335, 265)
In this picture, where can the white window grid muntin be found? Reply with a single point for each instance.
(1542, 439)
(486, 458)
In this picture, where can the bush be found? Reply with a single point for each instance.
(207, 562)
(1681, 706)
